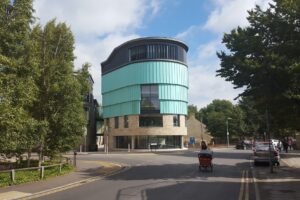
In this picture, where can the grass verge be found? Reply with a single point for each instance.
(33, 175)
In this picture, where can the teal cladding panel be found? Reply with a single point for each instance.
(121, 88)
(146, 73)
(173, 92)
(173, 107)
(125, 94)
(127, 108)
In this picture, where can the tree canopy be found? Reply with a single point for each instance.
(263, 58)
(41, 103)
(216, 114)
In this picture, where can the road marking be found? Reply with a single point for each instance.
(13, 195)
(244, 190)
(254, 180)
(70, 185)
(247, 187)
(242, 186)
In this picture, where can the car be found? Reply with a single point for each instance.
(243, 144)
(261, 153)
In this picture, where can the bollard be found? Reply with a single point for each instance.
(12, 175)
(42, 172)
(60, 165)
(75, 153)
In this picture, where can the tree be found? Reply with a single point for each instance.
(59, 99)
(264, 59)
(255, 123)
(17, 72)
(192, 109)
(216, 114)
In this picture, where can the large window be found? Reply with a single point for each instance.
(159, 142)
(126, 121)
(157, 51)
(122, 142)
(138, 53)
(150, 101)
(176, 120)
(116, 122)
(151, 121)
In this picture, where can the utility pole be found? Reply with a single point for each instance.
(228, 118)
(270, 142)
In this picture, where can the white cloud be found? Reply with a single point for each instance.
(187, 33)
(205, 87)
(93, 17)
(98, 26)
(230, 14)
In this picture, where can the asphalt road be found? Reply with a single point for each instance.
(174, 176)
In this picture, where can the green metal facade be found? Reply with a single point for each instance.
(121, 89)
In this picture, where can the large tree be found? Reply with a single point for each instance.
(17, 74)
(264, 59)
(59, 99)
(218, 113)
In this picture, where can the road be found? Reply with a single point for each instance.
(172, 175)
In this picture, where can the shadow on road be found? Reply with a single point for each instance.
(238, 154)
(179, 171)
(181, 190)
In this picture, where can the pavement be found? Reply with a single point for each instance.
(89, 171)
(284, 182)
(86, 171)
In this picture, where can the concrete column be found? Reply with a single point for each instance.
(132, 142)
(182, 142)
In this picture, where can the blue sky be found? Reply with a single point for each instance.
(101, 25)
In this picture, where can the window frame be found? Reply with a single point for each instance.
(126, 121)
(116, 122)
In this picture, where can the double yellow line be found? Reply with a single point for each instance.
(244, 190)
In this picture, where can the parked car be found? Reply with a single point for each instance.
(243, 144)
(261, 153)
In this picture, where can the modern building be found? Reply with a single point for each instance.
(145, 91)
(89, 140)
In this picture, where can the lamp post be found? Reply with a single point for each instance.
(228, 118)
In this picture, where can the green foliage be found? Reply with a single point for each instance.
(215, 117)
(17, 87)
(192, 109)
(59, 98)
(40, 98)
(83, 77)
(264, 59)
(33, 175)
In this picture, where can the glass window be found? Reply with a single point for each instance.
(116, 122)
(126, 121)
(122, 141)
(107, 122)
(157, 51)
(151, 121)
(149, 99)
(176, 120)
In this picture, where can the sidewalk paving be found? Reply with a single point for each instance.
(87, 171)
(284, 183)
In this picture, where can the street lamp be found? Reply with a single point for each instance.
(228, 118)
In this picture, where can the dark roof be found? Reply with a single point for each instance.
(144, 40)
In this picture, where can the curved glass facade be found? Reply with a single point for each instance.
(157, 51)
(144, 91)
(145, 49)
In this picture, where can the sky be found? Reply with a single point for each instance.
(101, 25)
